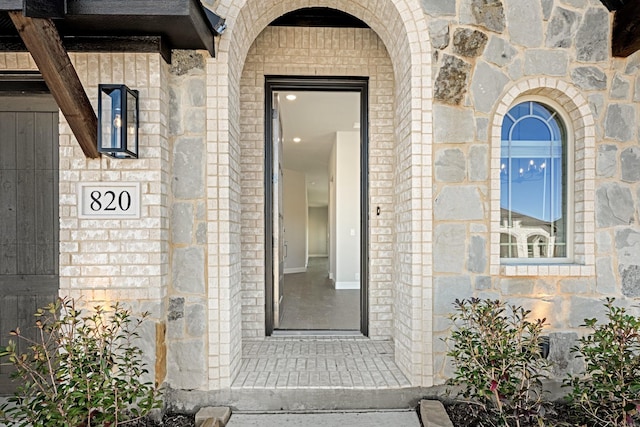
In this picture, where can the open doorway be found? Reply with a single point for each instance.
(316, 163)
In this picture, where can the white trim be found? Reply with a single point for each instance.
(318, 255)
(347, 285)
(295, 270)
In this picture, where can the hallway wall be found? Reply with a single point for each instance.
(318, 229)
(345, 217)
(295, 221)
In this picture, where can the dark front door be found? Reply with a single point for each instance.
(316, 203)
(29, 226)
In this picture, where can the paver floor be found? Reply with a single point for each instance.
(319, 363)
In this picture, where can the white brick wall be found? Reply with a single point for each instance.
(118, 255)
(114, 260)
(401, 26)
(400, 241)
(312, 51)
(108, 261)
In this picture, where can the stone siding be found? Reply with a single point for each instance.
(443, 75)
(549, 50)
(187, 315)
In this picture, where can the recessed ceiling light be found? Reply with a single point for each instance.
(296, 140)
(291, 97)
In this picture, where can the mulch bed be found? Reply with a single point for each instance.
(463, 414)
(169, 420)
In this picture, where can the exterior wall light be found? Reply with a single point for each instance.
(118, 113)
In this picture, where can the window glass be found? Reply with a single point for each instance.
(533, 177)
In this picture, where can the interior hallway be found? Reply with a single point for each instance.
(311, 303)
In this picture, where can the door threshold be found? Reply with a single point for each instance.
(335, 333)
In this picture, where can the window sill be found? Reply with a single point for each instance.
(567, 270)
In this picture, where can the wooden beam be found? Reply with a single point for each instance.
(128, 7)
(44, 8)
(183, 22)
(138, 44)
(41, 37)
(626, 29)
(150, 44)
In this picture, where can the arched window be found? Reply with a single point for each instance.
(534, 183)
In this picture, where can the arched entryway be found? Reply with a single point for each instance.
(237, 310)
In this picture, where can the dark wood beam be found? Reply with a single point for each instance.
(183, 23)
(44, 8)
(41, 37)
(137, 44)
(177, 24)
(626, 30)
(21, 82)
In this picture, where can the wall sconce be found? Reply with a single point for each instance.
(118, 121)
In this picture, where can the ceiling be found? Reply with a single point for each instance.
(315, 117)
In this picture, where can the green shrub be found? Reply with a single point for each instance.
(497, 360)
(80, 370)
(609, 391)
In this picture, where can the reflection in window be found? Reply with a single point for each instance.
(533, 183)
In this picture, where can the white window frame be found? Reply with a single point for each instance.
(568, 163)
(573, 109)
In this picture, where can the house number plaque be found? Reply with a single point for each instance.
(109, 200)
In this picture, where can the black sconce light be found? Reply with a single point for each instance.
(118, 113)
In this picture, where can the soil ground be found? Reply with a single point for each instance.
(463, 414)
(169, 420)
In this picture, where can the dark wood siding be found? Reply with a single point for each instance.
(29, 225)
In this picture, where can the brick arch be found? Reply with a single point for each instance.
(576, 110)
(401, 26)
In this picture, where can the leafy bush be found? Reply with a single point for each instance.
(609, 392)
(80, 370)
(497, 360)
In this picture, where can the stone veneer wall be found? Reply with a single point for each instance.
(486, 54)
(310, 52)
(187, 315)
(489, 54)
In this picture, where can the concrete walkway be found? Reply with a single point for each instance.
(327, 419)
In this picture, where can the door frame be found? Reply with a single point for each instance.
(276, 83)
